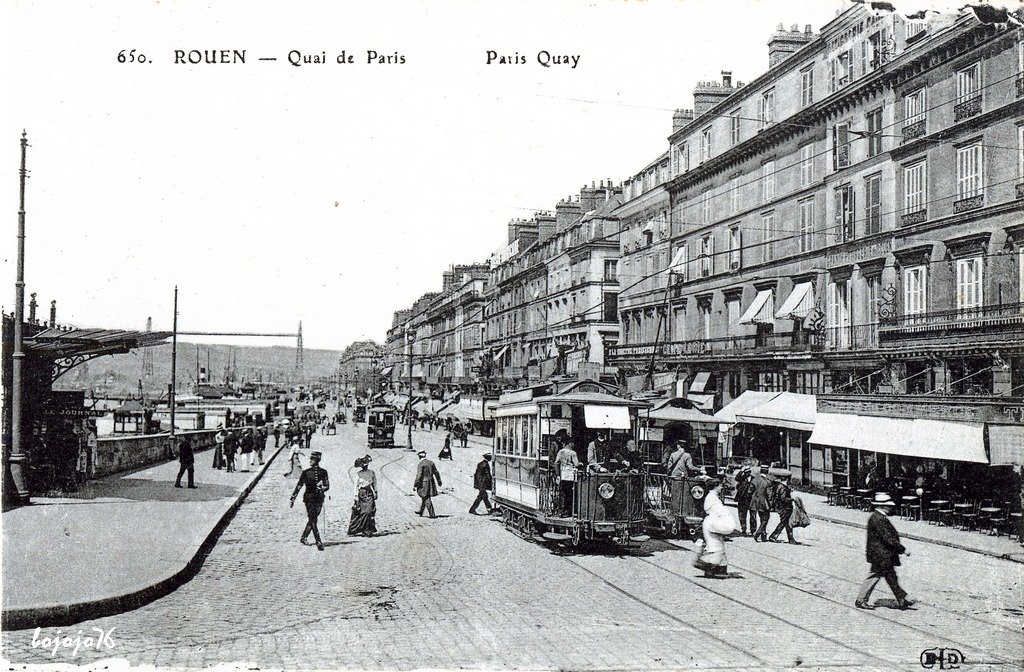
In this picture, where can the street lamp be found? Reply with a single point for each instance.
(410, 336)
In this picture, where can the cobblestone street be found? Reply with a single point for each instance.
(461, 591)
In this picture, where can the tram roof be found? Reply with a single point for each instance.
(594, 398)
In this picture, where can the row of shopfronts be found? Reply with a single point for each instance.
(968, 445)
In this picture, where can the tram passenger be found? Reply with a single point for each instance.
(566, 463)
(680, 462)
(598, 453)
(631, 457)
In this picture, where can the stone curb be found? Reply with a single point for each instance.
(1012, 557)
(67, 614)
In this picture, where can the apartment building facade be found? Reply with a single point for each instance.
(848, 227)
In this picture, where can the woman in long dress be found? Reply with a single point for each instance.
(717, 525)
(295, 464)
(364, 508)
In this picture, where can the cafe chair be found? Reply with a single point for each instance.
(969, 518)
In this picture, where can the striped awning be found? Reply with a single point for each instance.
(760, 310)
(799, 303)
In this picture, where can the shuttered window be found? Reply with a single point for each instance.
(806, 165)
(838, 325)
(767, 181)
(768, 235)
(915, 184)
(915, 292)
(913, 107)
(968, 283)
(735, 247)
(968, 83)
(845, 213)
(872, 204)
(969, 171)
(807, 225)
(841, 145)
(707, 255)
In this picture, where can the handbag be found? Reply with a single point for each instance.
(799, 517)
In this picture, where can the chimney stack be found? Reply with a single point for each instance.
(53, 312)
(681, 118)
(32, 308)
(784, 42)
(708, 94)
(726, 78)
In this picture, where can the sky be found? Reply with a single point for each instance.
(330, 193)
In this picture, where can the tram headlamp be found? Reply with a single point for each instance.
(606, 490)
(697, 491)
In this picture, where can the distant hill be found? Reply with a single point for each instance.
(120, 374)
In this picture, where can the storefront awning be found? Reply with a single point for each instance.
(933, 439)
(497, 356)
(741, 404)
(705, 402)
(760, 310)
(1006, 444)
(700, 382)
(789, 410)
(799, 304)
(666, 413)
(606, 417)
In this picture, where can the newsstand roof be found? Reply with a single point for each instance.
(74, 342)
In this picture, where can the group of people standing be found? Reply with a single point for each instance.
(249, 443)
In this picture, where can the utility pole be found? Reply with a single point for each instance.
(17, 458)
(174, 362)
(410, 336)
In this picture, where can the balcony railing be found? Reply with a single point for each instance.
(911, 218)
(982, 317)
(786, 341)
(913, 131)
(969, 203)
(967, 109)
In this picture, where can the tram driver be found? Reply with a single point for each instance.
(598, 453)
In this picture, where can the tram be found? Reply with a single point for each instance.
(359, 413)
(530, 427)
(380, 426)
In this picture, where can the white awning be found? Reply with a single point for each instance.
(789, 410)
(673, 414)
(606, 417)
(386, 370)
(501, 352)
(705, 402)
(741, 404)
(799, 304)
(760, 310)
(700, 381)
(1006, 443)
(933, 439)
(678, 260)
(648, 227)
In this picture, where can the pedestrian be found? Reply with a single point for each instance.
(277, 435)
(230, 448)
(294, 453)
(744, 491)
(782, 503)
(316, 483)
(446, 450)
(464, 435)
(364, 508)
(245, 444)
(187, 460)
(483, 482)
(680, 462)
(218, 450)
(261, 443)
(426, 475)
(717, 524)
(566, 464)
(309, 427)
(254, 455)
(759, 503)
(883, 553)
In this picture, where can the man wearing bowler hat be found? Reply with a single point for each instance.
(316, 483)
(483, 482)
(883, 552)
(424, 485)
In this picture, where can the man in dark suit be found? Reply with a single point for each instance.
(483, 482)
(883, 552)
(782, 502)
(759, 504)
(426, 476)
(744, 491)
(316, 482)
(187, 459)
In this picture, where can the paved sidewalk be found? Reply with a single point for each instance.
(120, 542)
(1004, 547)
